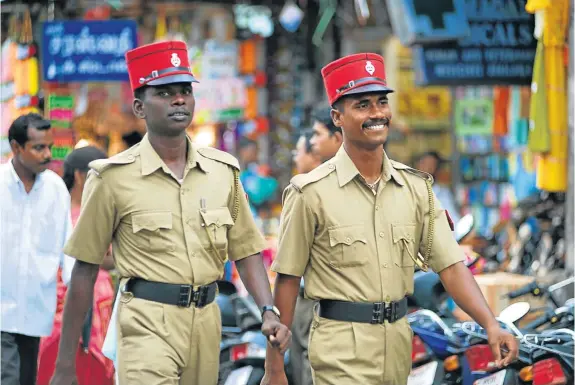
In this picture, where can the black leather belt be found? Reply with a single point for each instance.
(173, 294)
(374, 313)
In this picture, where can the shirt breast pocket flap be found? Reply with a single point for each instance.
(217, 222)
(218, 217)
(154, 226)
(348, 246)
(404, 245)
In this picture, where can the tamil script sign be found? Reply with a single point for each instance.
(82, 51)
(499, 50)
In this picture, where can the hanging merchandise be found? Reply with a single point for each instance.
(539, 136)
(552, 166)
(26, 77)
(501, 110)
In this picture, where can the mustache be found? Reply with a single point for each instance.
(46, 161)
(384, 121)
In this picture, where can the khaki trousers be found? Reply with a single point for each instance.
(344, 353)
(301, 325)
(162, 344)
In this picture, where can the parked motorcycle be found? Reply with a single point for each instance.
(545, 358)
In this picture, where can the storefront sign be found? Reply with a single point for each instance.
(219, 100)
(499, 50)
(82, 51)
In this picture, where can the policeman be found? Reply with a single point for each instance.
(353, 228)
(174, 214)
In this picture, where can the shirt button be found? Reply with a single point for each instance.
(376, 208)
(385, 265)
(381, 234)
(348, 240)
(387, 299)
(130, 157)
(331, 166)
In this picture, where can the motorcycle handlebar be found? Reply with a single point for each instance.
(532, 287)
(540, 321)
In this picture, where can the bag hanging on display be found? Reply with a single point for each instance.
(539, 137)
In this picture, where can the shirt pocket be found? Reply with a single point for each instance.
(216, 223)
(404, 246)
(348, 246)
(154, 228)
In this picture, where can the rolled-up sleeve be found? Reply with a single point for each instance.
(296, 234)
(445, 250)
(93, 232)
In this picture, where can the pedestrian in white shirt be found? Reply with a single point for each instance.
(34, 225)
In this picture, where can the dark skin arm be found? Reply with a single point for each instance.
(285, 294)
(462, 287)
(78, 300)
(254, 276)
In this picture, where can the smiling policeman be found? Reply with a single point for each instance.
(174, 213)
(354, 227)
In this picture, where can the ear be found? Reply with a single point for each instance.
(15, 146)
(138, 108)
(337, 117)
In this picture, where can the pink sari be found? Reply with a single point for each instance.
(92, 368)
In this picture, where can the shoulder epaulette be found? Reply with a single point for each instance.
(411, 170)
(302, 180)
(124, 157)
(220, 156)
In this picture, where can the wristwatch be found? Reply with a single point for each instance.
(271, 308)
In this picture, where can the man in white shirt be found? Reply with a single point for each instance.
(34, 225)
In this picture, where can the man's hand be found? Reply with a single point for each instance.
(274, 378)
(277, 333)
(500, 340)
(64, 376)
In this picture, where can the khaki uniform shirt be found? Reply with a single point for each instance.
(353, 244)
(158, 226)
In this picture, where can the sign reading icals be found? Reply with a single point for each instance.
(83, 51)
(499, 50)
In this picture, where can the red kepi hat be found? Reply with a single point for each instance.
(354, 74)
(159, 63)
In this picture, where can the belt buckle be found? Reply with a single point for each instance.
(377, 315)
(185, 298)
(200, 296)
(391, 311)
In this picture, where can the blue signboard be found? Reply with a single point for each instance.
(82, 51)
(427, 21)
(500, 49)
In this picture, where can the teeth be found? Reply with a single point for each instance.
(377, 127)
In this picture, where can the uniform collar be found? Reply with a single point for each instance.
(151, 161)
(346, 170)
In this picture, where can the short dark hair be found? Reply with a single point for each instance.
(140, 93)
(323, 116)
(18, 130)
(433, 154)
(79, 160)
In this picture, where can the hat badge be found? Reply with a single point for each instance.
(369, 67)
(175, 60)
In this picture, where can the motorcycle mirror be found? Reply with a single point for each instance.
(514, 312)
(464, 227)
